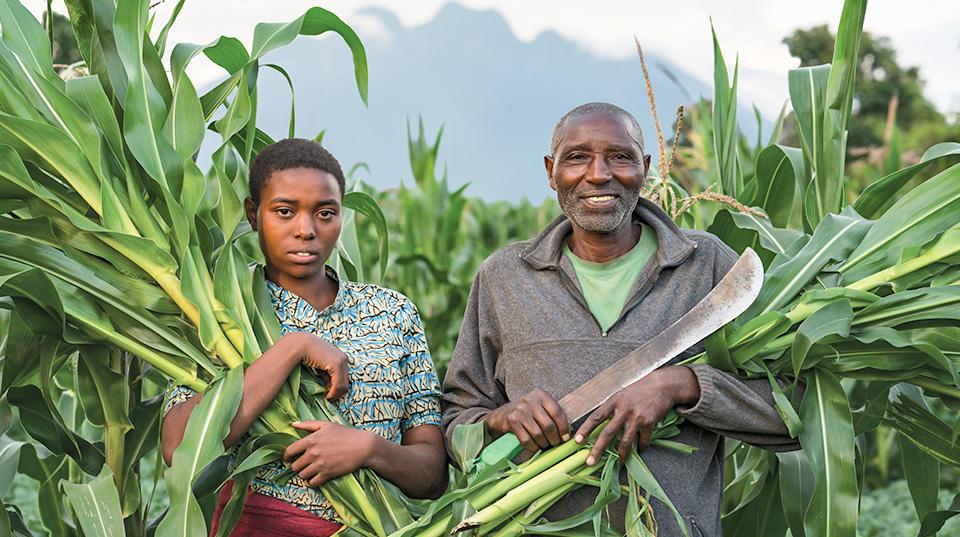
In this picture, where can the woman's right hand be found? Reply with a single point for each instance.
(320, 354)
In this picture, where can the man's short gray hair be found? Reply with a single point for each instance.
(591, 108)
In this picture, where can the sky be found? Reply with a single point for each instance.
(926, 35)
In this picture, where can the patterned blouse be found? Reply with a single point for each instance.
(393, 384)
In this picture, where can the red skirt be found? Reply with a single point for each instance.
(264, 515)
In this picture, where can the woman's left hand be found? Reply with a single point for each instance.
(329, 451)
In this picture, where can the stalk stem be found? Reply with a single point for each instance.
(222, 347)
(936, 387)
(162, 363)
(534, 467)
(898, 271)
(528, 492)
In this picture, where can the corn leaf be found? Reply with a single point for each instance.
(96, 504)
(921, 470)
(924, 212)
(796, 488)
(881, 194)
(779, 171)
(832, 240)
(827, 440)
(202, 443)
(725, 133)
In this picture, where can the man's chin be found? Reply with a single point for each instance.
(600, 222)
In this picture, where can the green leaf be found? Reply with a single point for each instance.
(779, 170)
(144, 106)
(932, 522)
(928, 432)
(49, 148)
(762, 516)
(96, 504)
(924, 212)
(639, 472)
(796, 488)
(316, 21)
(368, 207)
(725, 133)
(880, 194)
(24, 35)
(103, 392)
(832, 320)
(48, 471)
(202, 443)
(88, 93)
(291, 129)
(184, 124)
(833, 239)
(827, 440)
(921, 470)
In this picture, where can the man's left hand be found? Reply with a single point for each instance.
(635, 410)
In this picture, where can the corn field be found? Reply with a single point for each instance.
(124, 268)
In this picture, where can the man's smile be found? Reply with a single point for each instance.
(599, 201)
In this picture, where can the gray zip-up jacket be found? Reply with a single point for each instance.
(527, 325)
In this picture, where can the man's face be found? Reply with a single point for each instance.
(298, 221)
(597, 171)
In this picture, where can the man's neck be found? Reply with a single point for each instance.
(603, 247)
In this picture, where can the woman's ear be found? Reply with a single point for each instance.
(250, 207)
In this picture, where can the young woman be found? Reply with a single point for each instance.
(366, 340)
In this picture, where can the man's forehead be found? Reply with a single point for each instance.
(596, 126)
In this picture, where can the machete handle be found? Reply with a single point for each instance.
(504, 448)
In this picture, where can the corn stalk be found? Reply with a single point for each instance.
(113, 238)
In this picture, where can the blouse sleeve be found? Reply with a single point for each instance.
(421, 388)
(177, 395)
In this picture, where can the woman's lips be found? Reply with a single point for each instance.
(302, 256)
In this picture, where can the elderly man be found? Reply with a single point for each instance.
(547, 314)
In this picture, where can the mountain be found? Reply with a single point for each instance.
(496, 97)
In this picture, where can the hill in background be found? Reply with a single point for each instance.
(496, 96)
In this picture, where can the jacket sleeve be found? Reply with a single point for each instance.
(735, 407)
(470, 387)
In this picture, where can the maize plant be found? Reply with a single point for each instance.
(864, 294)
(124, 266)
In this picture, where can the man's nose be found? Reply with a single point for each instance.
(599, 170)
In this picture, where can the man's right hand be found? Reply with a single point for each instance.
(536, 419)
(320, 354)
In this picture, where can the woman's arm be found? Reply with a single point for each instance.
(418, 465)
(262, 381)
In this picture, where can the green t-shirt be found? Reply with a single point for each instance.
(607, 286)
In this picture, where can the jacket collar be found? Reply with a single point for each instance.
(673, 247)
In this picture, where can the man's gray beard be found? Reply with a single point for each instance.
(598, 221)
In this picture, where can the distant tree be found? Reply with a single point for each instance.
(65, 49)
(880, 78)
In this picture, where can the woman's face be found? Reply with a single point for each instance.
(298, 222)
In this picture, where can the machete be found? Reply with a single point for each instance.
(724, 303)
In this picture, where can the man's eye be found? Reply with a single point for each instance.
(577, 157)
(327, 213)
(283, 211)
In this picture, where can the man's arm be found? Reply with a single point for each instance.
(470, 388)
(732, 406)
(473, 393)
(706, 396)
